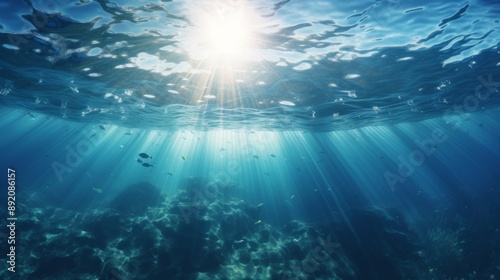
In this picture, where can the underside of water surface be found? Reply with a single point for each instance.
(238, 139)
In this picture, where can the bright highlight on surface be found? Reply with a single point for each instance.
(287, 103)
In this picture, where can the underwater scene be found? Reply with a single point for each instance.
(250, 139)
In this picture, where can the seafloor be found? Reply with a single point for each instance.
(205, 232)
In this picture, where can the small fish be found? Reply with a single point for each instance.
(481, 124)
(102, 127)
(128, 133)
(144, 155)
(273, 155)
(169, 173)
(257, 157)
(222, 149)
(260, 205)
(139, 160)
(147, 164)
(93, 135)
(266, 173)
(98, 190)
(258, 222)
(291, 197)
(315, 190)
(183, 158)
(31, 115)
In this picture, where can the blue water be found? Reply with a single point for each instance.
(240, 139)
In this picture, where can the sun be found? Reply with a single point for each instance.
(225, 33)
(223, 44)
(228, 34)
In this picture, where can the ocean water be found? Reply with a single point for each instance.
(238, 139)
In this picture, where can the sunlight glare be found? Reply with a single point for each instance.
(228, 36)
(226, 33)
